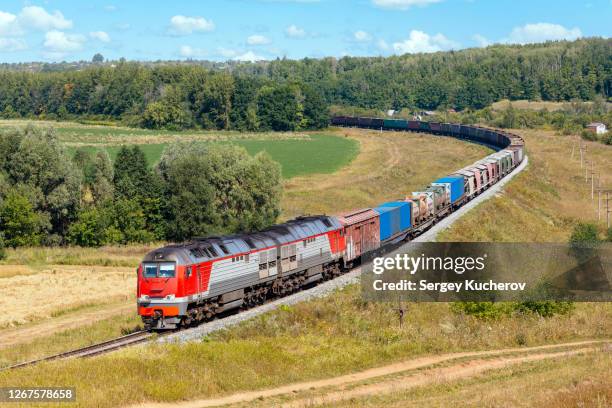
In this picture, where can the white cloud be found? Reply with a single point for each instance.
(418, 41)
(182, 25)
(257, 39)
(362, 36)
(402, 4)
(294, 31)
(188, 51)
(60, 42)
(38, 18)
(482, 41)
(540, 32)
(100, 36)
(12, 44)
(382, 44)
(110, 7)
(8, 24)
(248, 56)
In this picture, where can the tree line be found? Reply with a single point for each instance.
(48, 197)
(295, 94)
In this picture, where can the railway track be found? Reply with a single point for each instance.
(92, 350)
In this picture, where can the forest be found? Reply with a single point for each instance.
(296, 94)
(48, 197)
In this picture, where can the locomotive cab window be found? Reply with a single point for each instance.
(149, 270)
(167, 270)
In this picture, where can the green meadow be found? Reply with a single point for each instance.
(298, 153)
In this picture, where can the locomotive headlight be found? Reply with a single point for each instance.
(170, 297)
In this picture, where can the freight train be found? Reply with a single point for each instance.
(184, 284)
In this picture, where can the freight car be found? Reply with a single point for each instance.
(184, 284)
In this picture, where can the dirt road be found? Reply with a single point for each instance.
(456, 366)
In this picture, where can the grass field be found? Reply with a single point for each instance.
(298, 153)
(321, 338)
(23, 268)
(581, 381)
(342, 333)
(535, 105)
(545, 201)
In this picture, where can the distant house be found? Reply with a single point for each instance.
(391, 112)
(597, 128)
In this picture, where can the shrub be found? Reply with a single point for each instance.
(482, 310)
(547, 308)
(588, 135)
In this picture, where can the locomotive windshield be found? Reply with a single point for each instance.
(159, 270)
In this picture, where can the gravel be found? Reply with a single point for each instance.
(324, 289)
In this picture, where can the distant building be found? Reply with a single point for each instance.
(391, 112)
(597, 128)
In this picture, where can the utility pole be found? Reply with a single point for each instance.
(586, 171)
(608, 209)
(592, 183)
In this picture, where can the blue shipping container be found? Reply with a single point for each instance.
(395, 217)
(457, 186)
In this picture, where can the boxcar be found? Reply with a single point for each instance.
(399, 124)
(424, 126)
(413, 125)
(364, 122)
(435, 127)
(377, 123)
(361, 232)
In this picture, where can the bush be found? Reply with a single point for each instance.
(482, 310)
(490, 310)
(607, 138)
(547, 308)
(588, 135)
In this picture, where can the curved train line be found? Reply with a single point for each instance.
(492, 137)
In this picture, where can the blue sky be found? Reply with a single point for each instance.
(54, 30)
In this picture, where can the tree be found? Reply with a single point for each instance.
(170, 112)
(102, 187)
(97, 58)
(36, 161)
(316, 110)
(20, 225)
(218, 189)
(213, 102)
(132, 176)
(278, 108)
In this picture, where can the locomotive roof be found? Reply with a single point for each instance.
(206, 248)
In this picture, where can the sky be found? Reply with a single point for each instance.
(248, 30)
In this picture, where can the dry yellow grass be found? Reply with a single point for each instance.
(534, 105)
(57, 290)
(545, 201)
(389, 166)
(580, 381)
